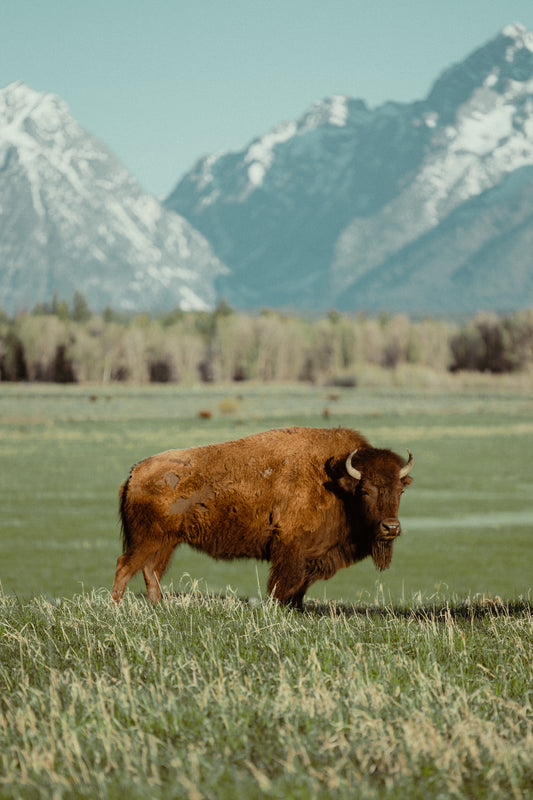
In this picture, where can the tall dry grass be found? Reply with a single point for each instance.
(212, 697)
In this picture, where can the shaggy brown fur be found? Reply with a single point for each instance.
(284, 496)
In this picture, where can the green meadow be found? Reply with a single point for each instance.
(467, 518)
(413, 683)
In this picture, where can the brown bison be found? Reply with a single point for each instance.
(309, 500)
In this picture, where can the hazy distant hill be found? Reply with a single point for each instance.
(71, 217)
(421, 207)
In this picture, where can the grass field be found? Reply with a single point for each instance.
(467, 518)
(413, 683)
(208, 698)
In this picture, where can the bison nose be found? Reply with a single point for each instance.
(390, 528)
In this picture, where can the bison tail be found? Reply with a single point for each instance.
(122, 495)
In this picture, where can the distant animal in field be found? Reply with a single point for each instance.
(308, 500)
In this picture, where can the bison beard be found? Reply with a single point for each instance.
(309, 500)
(382, 554)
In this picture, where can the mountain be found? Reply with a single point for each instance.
(421, 207)
(72, 218)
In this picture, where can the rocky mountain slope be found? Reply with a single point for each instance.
(72, 218)
(423, 207)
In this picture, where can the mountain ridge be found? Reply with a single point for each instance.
(72, 218)
(362, 186)
(422, 207)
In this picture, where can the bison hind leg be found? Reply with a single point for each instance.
(128, 565)
(153, 571)
(153, 563)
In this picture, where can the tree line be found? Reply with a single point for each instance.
(66, 342)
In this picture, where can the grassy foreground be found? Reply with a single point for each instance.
(208, 697)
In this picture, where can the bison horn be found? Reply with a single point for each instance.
(354, 473)
(407, 469)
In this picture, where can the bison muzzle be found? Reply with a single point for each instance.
(309, 500)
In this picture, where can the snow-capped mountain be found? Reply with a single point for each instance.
(426, 206)
(72, 218)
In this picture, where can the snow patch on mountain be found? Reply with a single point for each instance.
(523, 39)
(331, 111)
(260, 155)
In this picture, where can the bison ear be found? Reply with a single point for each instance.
(407, 481)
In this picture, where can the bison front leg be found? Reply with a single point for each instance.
(287, 580)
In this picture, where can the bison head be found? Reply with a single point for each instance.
(378, 479)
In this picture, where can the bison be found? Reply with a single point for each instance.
(309, 500)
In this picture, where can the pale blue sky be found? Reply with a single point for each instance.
(163, 83)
